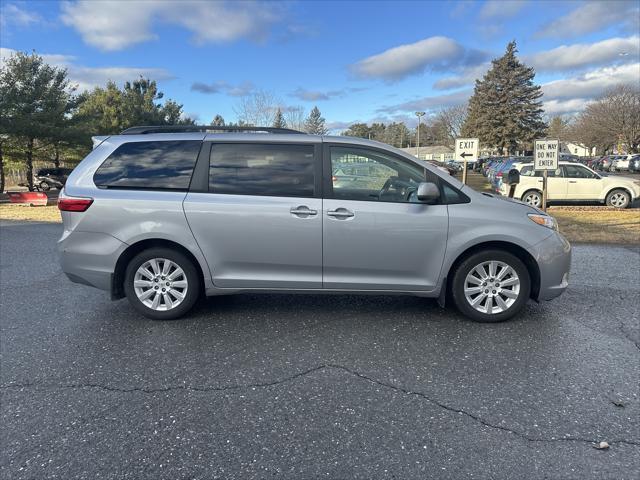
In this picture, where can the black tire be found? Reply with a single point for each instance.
(193, 290)
(614, 197)
(44, 186)
(532, 193)
(476, 259)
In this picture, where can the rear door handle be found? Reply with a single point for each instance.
(303, 211)
(340, 213)
(573, 181)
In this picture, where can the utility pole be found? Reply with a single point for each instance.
(419, 115)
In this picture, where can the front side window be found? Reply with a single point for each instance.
(361, 174)
(575, 171)
(160, 165)
(262, 169)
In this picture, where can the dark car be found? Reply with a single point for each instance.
(634, 164)
(48, 178)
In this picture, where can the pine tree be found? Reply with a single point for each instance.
(278, 120)
(505, 109)
(315, 123)
(217, 121)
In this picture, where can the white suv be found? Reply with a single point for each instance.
(574, 182)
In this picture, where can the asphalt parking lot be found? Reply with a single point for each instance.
(283, 386)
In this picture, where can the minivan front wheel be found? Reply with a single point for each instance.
(161, 283)
(491, 286)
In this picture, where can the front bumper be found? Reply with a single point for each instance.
(554, 261)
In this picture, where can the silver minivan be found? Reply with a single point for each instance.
(162, 215)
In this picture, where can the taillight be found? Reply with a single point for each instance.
(74, 204)
(499, 174)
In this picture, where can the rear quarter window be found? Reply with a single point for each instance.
(159, 165)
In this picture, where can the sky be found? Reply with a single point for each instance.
(358, 61)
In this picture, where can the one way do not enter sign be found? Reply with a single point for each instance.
(546, 154)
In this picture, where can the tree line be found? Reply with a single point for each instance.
(42, 116)
(505, 112)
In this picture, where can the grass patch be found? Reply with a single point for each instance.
(579, 225)
(25, 213)
(598, 225)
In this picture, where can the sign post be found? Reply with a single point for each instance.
(466, 151)
(545, 158)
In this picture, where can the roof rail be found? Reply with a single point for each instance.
(203, 128)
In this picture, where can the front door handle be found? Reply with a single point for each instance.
(340, 213)
(303, 211)
(573, 181)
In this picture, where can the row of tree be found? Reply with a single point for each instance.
(505, 112)
(274, 116)
(441, 128)
(42, 115)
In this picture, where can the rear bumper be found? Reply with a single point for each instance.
(90, 258)
(554, 261)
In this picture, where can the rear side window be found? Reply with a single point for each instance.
(149, 165)
(262, 169)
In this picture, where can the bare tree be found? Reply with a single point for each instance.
(258, 108)
(295, 117)
(612, 118)
(560, 127)
(451, 120)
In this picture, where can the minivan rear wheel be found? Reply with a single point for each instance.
(491, 286)
(161, 284)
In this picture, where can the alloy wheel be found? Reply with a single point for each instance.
(533, 199)
(492, 287)
(160, 284)
(618, 199)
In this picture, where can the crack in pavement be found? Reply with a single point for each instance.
(621, 327)
(310, 371)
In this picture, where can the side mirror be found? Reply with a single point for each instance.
(428, 192)
(513, 177)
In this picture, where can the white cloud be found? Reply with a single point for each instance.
(591, 84)
(12, 14)
(610, 52)
(569, 57)
(493, 9)
(317, 95)
(429, 103)
(87, 78)
(113, 25)
(239, 90)
(594, 16)
(467, 77)
(563, 107)
(434, 53)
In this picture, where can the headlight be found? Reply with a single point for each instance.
(544, 220)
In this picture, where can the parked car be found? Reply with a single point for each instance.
(47, 178)
(620, 163)
(634, 164)
(575, 182)
(162, 218)
(604, 164)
